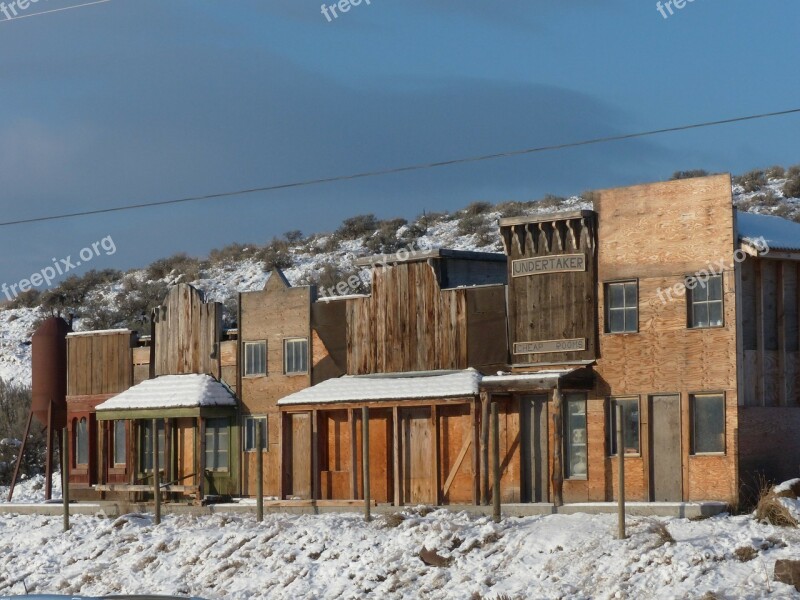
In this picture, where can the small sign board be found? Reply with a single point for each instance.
(545, 347)
(539, 265)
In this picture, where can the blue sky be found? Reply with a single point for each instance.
(139, 100)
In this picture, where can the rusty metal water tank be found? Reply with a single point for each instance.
(49, 379)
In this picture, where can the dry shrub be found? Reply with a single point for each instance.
(661, 531)
(393, 520)
(745, 553)
(769, 508)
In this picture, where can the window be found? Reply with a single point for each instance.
(295, 356)
(217, 444)
(630, 425)
(575, 436)
(146, 448)
(622, 307)
(120, 447)
(251, 425)
(708, 424)
(705, 301)
(82, 442)
(255, 359)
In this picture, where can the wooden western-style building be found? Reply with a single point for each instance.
(661, 299)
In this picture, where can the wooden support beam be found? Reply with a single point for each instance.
(365, 460)
(169, 472)
(259, 473)
(496, 463)
(457, 465)
(475, 434)
(351, 420)
(486, 398)
(557, 476)
(782, 355)
(396, 455)
(434, 428)
(48, 461)
(156, 475)
(65, 475)
(315, 455)
(761, 386)
(201, 459)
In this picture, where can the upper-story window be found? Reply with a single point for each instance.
(704, 300)
(622, 307)
(295, 356)
(255, 359)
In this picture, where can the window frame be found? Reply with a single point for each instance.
(703, 282)
(245, 373)
(146, 446)
(81, 441)
(608, 308)
(693, 427)
(567, 433)
(286, 342)
(611, 436)
(247, 444)
(115, 440)
(209, 428)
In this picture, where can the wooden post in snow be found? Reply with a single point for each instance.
(259, 473)
(365, 459)
(557, 476)
(65, 476)
(621, 462)
(156, 478)
(496, 463)
(484, 463)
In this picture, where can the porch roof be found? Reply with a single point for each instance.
(389, 386)
(546, 379)
(777, 233)
(170, 393)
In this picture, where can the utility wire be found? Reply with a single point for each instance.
(54, 10)
(395, 170)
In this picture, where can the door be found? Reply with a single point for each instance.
(300, 430)
(665, 448)
(535, 476)
(416, 479)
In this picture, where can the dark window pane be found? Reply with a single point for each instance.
(631, 319)
(709, 424)
(630, 424)
(616, 321)
(700, 315)
(715, 314)
(715, 288)
(630, 294)
(120, 447)
(700, 291)
(616, 295)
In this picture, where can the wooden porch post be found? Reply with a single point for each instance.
(315, 495)
(476, 484)
(496, 463)
(156, 474)
(435, 458)
(201, 459)
(396, 454)
(365, 459)
(259, 474)
(557, 476)
(486, 399)
(48, 464)
(65, 462)
(351, 420)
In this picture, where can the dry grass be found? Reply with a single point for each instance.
(770, 510)
(661, 531)
(745, 553)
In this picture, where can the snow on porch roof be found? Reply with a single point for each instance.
(394, 386)
(779, 233)
(171, 391)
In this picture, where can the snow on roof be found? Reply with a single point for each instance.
(172, 391)
(395, 386)
(777, 233)
(522, 377)
(98, 332)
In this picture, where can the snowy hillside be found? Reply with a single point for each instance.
(325, 258)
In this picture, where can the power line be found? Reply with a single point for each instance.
(405, 169)
(54, 10)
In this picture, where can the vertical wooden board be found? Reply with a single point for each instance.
(667, 444)
(455, 465)
(300, 445)
(417, 449)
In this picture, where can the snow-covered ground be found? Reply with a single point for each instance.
(341, 556)
(31, 490)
